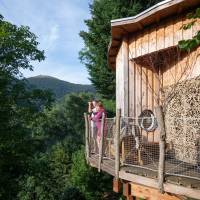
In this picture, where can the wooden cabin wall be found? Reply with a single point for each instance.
(157, 38)
(122, 87)
(138, 85)
(164, 35)
(145, 81)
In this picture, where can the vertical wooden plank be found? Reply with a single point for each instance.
(169, 33)
(132, 77)
(178, 33)
(168, 76)
(119, 82)
(125, 61)
(144, 50)
(138, 90)
(117, 144)
(156, 100)
(145, 42)
(160, 37)
(101, 150)
(152, 39)
(138, 78)
(131, 88)
(152, 46)
(123, 152)
(139, 45)
(150, 97)
(132, 49)
(86, 136)
(178, 36)
(144, 86)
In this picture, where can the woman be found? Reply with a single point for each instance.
(92, 109)
(97, 120)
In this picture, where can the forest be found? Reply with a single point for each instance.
(42, 140)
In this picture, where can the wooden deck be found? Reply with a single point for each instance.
(173, 184)
(106, 166)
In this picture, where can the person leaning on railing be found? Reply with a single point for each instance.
(92, 110)
(97, 120)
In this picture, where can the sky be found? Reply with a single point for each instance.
(57, 24)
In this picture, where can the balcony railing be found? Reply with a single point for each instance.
(172, 149)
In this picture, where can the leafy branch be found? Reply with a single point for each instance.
(190, 44)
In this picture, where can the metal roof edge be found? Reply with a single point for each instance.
(144, 12)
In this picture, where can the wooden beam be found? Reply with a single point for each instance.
(116, 185)
(127, 191)
(168, 187)
(125, 57)
(144, 192)
(140, 26)
(101, 142)
(117, 39)
(117, 144)
(86, 137)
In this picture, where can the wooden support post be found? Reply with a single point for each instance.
(161, 167)
(117, 144)
(89, 133)
(86, 137)
(101, 142)
(116, 185)
(127, 191)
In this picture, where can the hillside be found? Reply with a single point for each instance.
(57, 86)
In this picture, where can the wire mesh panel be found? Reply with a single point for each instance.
(108, 144)
(108, 140)
(136, 149)
(183, 147)
(93, 145)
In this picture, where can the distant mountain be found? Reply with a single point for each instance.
(57, 86)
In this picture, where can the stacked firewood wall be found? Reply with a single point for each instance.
(182, 120)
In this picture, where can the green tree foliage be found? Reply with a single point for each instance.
(47, 176)
(61, 169)
(40, 143)
(72, 193)
(18, 47)
(96, 39)
(190, 44)
(18, 106)
(91, 183)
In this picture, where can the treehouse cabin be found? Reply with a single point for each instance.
(152, 146)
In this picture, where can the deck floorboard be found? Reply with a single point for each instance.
(109, 167)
